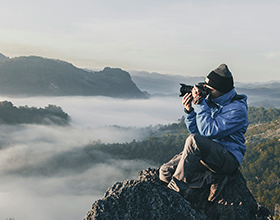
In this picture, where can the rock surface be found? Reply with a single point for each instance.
(148, 198)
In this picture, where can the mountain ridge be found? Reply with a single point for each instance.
(259, 94)
(35, 76)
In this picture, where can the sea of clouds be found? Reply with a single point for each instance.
(45, 171)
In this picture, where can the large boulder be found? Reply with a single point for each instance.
(148, 198)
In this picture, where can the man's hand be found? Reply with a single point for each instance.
(187, 101)
(197, 97)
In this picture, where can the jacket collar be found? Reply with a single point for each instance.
(224, 99)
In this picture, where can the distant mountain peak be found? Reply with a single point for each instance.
(3, 57)
(111, 68)
(34, 75)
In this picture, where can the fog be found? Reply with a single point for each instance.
(45, 171)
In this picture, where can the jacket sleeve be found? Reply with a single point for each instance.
(226, 121)
(190, 121)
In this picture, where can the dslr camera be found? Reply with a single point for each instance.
(204, 91)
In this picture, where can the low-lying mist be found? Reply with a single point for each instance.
(45, 171)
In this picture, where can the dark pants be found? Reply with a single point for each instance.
(200, 154)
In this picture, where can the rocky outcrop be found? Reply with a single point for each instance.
(148, 198)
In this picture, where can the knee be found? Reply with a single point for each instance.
(194, 137)
(192, 142)
(197, 143)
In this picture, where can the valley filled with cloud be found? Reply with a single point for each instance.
(45, 169)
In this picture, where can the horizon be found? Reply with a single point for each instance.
(139, 71)
(177, 38)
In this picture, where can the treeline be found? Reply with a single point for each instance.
(52, 114)
(260, 114)
(261, 168)
(167, 140)
(156, 150)
(256, 115)
(260, 165)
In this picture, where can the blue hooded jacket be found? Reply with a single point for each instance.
(223, 119)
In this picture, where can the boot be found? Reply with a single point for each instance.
(218, 183)
(177, 185)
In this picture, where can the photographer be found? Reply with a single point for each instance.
(215, 148)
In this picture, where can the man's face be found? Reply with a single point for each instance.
(213, 92)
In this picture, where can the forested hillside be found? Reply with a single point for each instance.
(10, 114)
(261, 170)
(260, 165)
(37, 76)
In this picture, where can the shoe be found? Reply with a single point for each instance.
(219, 181)
(172, 185)
(177, 185)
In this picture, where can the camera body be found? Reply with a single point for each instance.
(204, 91)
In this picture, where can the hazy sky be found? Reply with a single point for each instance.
(181, 37)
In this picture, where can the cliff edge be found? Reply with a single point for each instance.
(148, 198)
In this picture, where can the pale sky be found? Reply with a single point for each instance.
(180, 37)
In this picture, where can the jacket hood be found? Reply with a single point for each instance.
(227, 98)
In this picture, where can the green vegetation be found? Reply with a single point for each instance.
(9, 114)
(261, 115)
(261, 165)
(261, 168)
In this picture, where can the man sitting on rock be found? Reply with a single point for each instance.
(216, 146)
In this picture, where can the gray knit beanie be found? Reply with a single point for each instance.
(220, 79)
